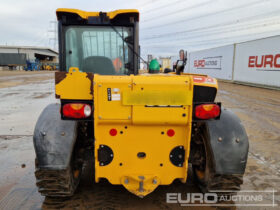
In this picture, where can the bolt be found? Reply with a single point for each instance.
(129, 117)
(111, 155)
(220, 139)
(100, 117)
(154, 181)
(99, 85)
(237, 140)
(101, 146)
(181, 147)
(171, 156)
(141, 186)
(180, 156)
(101, 164)
(180, 165)
(43, 133)
(126, 181)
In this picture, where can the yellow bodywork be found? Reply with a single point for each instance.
(86, 15)
(141, 109)
(73, 85)
(140, 113)
(143, 120)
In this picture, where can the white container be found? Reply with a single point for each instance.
(258, 62)
(215, 62)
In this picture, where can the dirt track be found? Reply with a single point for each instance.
(23, 96)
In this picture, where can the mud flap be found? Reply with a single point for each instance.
(228, 144)
(54, 139)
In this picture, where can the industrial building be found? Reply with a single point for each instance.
(18, 57)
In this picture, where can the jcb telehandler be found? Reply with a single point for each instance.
(143, 130)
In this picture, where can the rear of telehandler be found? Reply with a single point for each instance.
(143, 130)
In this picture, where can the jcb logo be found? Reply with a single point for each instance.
(264, 61)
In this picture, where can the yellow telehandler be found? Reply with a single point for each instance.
(143, 130)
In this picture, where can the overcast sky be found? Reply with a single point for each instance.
(165, 25)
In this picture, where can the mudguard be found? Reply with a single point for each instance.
(228, 144)
(54, 139)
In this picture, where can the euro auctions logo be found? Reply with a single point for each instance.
(265, 62)
(199, 63)
(224, 198)
(208, 63)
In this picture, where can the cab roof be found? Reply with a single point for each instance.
(85, 15)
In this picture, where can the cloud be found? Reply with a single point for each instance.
(208, 22)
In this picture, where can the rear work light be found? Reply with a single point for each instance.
(76, 110)
(207, 111)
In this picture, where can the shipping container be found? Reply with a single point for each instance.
(258, 62)
(7, 59)
(215, 62)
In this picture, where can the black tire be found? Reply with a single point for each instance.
(56, 183)
(64, 182)
(226, 184)
(204, 174)
(60, 183)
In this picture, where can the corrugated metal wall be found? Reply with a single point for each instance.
(215, 62)
(256, 62)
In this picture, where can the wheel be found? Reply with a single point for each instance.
(60, 183)
(203, 168)
(64, 182)
(57, 183)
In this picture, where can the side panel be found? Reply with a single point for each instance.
(258, 62)
(54, 139)
(228, 143)
(216, 62)
(74, 85)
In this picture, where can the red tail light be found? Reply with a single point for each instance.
(76, 110)
(207, 111)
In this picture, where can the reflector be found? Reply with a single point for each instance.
(113, 132)
(170, 132)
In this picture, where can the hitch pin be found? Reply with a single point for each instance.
(141, 184)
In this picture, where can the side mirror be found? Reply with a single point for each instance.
(186, 56)
(182, 55)
(180, 65)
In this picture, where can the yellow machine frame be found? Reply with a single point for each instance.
(141, 109)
